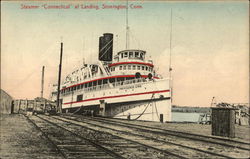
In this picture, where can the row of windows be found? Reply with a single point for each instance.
(95, 83)
(132, 54)
(85, 85)
(133, 67)
(80, 97)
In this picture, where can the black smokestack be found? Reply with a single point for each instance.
(106, 47)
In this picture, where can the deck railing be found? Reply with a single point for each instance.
(108, 85)
(114, 84)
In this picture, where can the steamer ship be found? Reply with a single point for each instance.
(123, 86)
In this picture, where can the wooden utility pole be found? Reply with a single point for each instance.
(58, 105)
(26, 105)
(42, 84)
(19, 105)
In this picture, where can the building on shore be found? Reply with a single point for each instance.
(6, 103)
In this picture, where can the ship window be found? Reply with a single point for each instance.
(99, 82)
(122, 55)
(142, 67)
(81, 86)
(105, 81)
(130, 54)
(79, 98)
(85, 85)
(124, 67)
(134, 67)
(125, 54)
(90, 84)
(119, 79)
(138, 67)
(111, 80)
(78, 87)
(141, 55)
(120, 67)
(74, 88)
(129, 67)
(136, 54)
(146, 68)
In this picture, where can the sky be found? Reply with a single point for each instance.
(210, 44)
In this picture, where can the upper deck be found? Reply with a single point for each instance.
(127, 64)
(131, 62)
(130, 55)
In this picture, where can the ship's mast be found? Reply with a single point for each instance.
(59, 106)
(127, 28)
(170, 58)
(170, 47)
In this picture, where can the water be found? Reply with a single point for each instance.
(185, 117)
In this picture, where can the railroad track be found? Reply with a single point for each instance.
(69, 144)
(189, 143)
(208, 139)
(64, 133)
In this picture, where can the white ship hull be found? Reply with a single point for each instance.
(148, 111)
(143, 99)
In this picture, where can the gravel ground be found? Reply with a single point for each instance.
(242, 133)
(20, 139)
